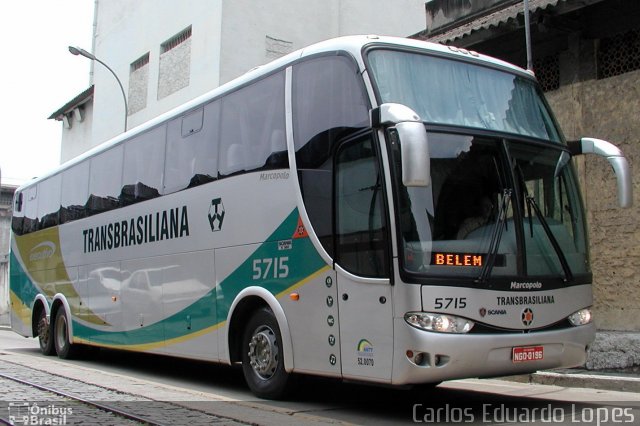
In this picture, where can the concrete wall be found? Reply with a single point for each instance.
(608, 109)
(249, 27)
(75, 138)
(229, 37)
(126, 31)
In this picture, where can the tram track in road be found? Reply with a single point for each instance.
(97, 405)
(39, 397)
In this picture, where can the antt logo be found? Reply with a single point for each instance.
(216, 214)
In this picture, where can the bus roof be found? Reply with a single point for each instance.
(350, 44)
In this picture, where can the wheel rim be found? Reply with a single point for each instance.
(263, 352)
(43, 330)
(61, 331)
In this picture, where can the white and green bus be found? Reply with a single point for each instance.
(373, 209)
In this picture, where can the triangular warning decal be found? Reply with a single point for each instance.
(300, 231)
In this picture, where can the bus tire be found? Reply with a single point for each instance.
(262, 356)
(63, 345)
(45, 337)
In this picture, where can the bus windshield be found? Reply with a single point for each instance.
(495, 207)
(503, 201)
(446, 91)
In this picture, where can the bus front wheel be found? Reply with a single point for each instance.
(262, 356)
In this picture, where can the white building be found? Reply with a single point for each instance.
(166, 52)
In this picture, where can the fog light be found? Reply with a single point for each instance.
(438, 322)
(582, 317)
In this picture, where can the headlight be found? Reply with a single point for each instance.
(582, 317)
(438, 322)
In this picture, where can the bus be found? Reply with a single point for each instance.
(371, 209)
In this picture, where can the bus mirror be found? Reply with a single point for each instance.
(617, 160)
(414, 153)
(414, 148)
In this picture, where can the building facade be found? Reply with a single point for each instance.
(6, 202)
(166, 52)
(586, 55)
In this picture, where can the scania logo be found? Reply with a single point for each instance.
(527, 317)
(483, 312)
(42, 251)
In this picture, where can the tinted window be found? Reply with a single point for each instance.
(105, 181)
(192, 148)
(329, 99)
(329, 103)
(30, 209)
(49, 201)
(143, 166)
(253, 124)
(360, 220)
(75, 182)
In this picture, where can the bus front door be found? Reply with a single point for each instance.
(362, 262)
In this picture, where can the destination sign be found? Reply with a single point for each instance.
(463, 259)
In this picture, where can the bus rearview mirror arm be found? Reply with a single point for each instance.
(617, 160)
(412, 137)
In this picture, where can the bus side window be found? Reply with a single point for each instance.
(143, 167)
(192, 151)
(329, 102)
(105, 181)
(49, 202)
(75, 182)
(18, 214)
(30, 223)
(252, 128)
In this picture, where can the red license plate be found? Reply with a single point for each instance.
(526, 354)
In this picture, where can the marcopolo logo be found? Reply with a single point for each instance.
(515, 285)
(42, 251)
(216, 214)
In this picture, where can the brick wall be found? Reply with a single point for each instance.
(608, 109)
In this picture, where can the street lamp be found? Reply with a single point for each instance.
(78, 51)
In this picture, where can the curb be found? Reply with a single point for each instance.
(621, 383)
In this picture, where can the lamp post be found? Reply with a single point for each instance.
(78, 51)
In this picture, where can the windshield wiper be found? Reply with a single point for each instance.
(531, 202)
(496, 237)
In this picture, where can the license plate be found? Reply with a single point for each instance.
(526, 354)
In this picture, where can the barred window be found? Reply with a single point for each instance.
(547, 71)
(619, 54)
(176, 40)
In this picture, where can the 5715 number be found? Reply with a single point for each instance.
(453, 302)
(275, 267)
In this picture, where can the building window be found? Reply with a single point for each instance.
(175, 63)
(547, 71)
(619, 54)
(176, 40)
(138, 83)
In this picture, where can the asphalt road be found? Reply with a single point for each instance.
(321, 401)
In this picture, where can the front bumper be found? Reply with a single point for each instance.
(457, 356)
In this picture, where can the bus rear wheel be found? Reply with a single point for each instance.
(262, 356)
(44, 334)
(61, 336)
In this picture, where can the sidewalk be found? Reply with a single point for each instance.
(622, 381)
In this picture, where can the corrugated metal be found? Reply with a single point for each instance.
(492, 20)
(73, 103)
